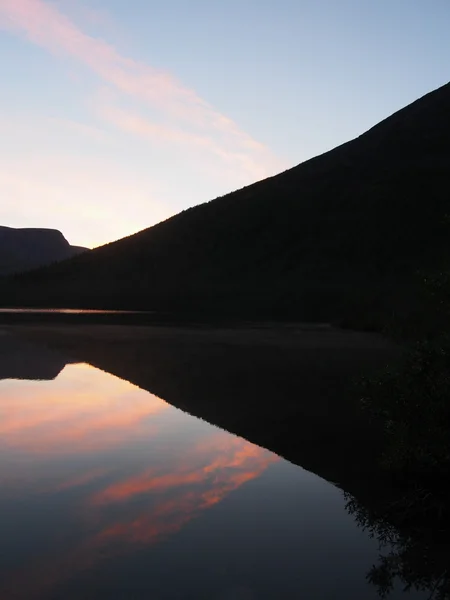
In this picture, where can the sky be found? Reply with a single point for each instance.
(116, 114)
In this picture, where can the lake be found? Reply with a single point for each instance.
(69, 311)
(108, 492)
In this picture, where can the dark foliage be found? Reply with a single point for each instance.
(416, 558)
(412, 400)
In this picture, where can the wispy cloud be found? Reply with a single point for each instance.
(184, 117)
(234, 159)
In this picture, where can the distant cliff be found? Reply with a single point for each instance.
(25, 249)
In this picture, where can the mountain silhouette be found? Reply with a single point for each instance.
(338, 236)
(25, 249)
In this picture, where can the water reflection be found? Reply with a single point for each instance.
(81, 411)
(65, 429)
(106, 491)
(71, 311)
(418, 557)
(20, 360)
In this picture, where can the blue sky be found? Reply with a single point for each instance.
(116, 114)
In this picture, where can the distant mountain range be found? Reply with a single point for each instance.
(25, 249)
(340, 236)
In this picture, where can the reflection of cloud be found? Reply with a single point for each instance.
(192, 482)
(169, 516)
(81, 411)
(81, 479)
(238, 460)
(197, 483)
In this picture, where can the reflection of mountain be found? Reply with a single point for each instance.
(88, 419)
(286, 392)
(183, 468)
(21, 360)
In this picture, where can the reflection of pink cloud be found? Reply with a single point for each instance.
(145, 483)
(218, 477)
(86, 410)
(203, 477)
(199, 480)
(47, 27)
(81, 479)
(79, 412)
(229, 453)
(170, 516)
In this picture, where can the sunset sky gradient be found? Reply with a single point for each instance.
(116, 114)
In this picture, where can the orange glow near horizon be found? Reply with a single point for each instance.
(83, 410)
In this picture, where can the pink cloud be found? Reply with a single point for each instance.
(257, 164)
(193, 119)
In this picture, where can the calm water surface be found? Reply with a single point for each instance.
(70, 311)
(108, 492)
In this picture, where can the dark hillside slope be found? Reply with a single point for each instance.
(342, 232)
(28, 248)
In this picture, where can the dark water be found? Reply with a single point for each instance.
(77, 316)
(107, 492)
(69, 311)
